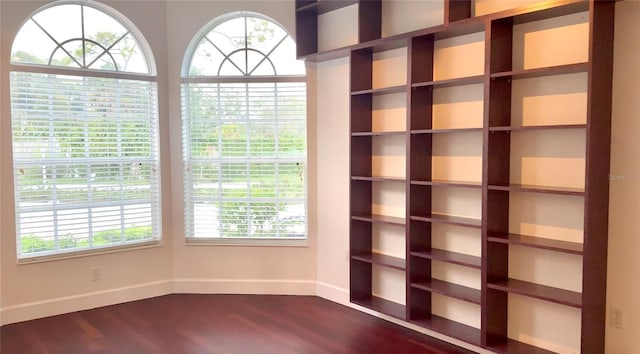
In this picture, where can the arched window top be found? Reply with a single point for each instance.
(243, 44)
(84, 35)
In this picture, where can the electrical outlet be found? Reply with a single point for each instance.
(96, 273)
(616, 318)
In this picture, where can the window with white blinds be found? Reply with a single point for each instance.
(244, 134)
(85, 155)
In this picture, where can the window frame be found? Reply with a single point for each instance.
(150, 76)
(186, 78)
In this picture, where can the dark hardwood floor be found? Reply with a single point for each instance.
(192, 324)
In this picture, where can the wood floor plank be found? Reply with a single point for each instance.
(218, 324)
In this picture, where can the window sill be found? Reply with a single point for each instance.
(247, 242)
(90, 252)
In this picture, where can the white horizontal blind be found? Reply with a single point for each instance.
(245, 159)
(86, 166)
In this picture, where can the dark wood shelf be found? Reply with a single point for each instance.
(448, 219)
(445, 183)
(381, 91)
(382, 219)
(323, 6)
(451, 328)
(511, 346)
(385, 306)
(460, 81)
(378, 179)
(537, 127)
(537, 291)
(449, 289)
(453, 130)
(541, 72)
(401, 132)
(450, 257)
(537, 242)
(381, 260)
(539, 189)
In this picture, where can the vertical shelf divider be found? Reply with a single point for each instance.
(361, 193)
(596, 222)
(456, 10)
(419, 149)
(369, 20)
(495, 204)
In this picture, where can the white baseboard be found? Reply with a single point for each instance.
(58, 306)
(332, 293)
(244, 286)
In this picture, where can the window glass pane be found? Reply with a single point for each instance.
(78, 36)
(52, 18)
(101, 27)
(128, 55)
(32, 45)
(229, 36)
(263, 35)
(284, 58)
(206, 60)
(64, 57)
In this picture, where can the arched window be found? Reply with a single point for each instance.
(244, 132)
(85, 132)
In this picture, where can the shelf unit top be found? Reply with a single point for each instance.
(324, 6)
(531, 13)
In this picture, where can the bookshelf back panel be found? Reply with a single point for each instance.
(390, 68)
(402, 16)
(389, 199)
(549, 100)
(459, 56)
(389, 284)
(389, 156)
(544, 324)
(458, 107)
(389, 240)
(555, 217)
(338, 28)
(549, 158)
(484, 7)
(542, 267)
(456, 239)
(556, 41)
(457, 157)
(456, 310)
(465, 202)
(456, 274)
(389, 112)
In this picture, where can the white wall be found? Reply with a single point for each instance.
(214, 268)
(32, 290)
(41, 289)
(623, 282)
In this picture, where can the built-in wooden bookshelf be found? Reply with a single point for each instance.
(497, 186)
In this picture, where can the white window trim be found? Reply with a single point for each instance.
(91, 252)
